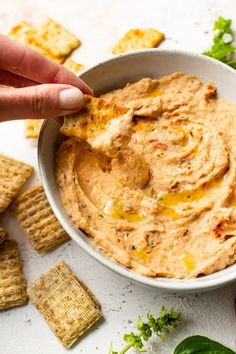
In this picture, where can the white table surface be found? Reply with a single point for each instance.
(99, 23)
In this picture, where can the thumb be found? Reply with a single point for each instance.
(40, 101)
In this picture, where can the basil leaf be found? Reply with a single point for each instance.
(200, 344)
(223, 45)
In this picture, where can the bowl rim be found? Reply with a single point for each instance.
(168, 284)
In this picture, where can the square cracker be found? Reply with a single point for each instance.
(37, 219)
(138, 39)
(65, 303)
(105, 126)
(73, 66)
(3, 235)
(92, 119)
(32, 128)
(25, 33)
(13, 175)
(56, 39)
(12, 282)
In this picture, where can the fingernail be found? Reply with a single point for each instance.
(71, 99)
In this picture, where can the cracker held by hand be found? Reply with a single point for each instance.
(12, 282)
(56, 39)
(65, 303)
(105, 126)
(32, 128)
(73, 66)
(37, 219)
(13, 175)
(138, 39)
(3, 235)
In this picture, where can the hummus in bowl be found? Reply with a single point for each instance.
(164, 205)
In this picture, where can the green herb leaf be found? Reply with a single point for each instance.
(161, 325)
(222, 47)
(133, 339)
(139, 323)
(200, 344)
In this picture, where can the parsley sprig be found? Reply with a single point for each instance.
(160, 326)
(223, 48)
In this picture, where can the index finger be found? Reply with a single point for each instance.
(24, 61)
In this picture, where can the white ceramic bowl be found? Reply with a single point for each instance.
(111, 74)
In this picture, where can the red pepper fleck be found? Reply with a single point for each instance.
(157, 144)
(218, 233)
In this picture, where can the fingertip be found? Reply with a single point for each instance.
(71, 99)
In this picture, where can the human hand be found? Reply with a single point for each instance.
(37, 86)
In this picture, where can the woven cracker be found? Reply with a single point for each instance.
(138, 39)
(56, 39)
(36, 217)
(65, 303)
(13, 175)
(73, 66)
(3, 235)
(25, 33)
(12, 282)
(32, 128)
